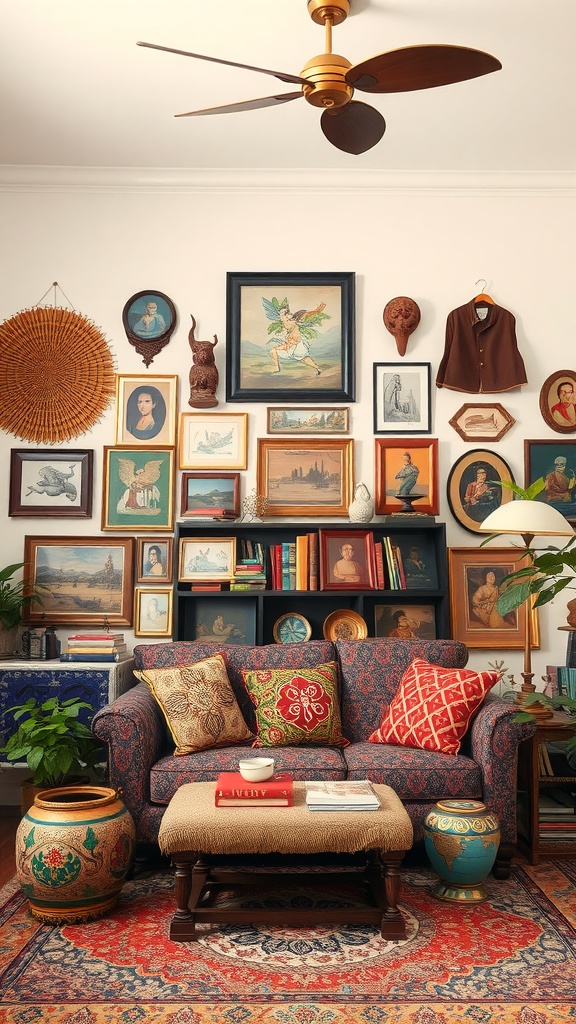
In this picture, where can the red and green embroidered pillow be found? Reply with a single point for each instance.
(433, 707)
(295, 707)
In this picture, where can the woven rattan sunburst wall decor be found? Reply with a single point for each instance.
(56, 374)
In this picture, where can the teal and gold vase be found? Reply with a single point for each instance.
(461, 839)
(74, 848)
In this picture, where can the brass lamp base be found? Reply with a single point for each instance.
(540, 711)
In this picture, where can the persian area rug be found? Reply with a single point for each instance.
(510, 960)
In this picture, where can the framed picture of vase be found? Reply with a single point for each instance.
(406, 473)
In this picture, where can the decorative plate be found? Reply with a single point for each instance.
(291, 628)
(345, 624)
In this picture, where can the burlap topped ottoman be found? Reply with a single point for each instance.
(193, 828)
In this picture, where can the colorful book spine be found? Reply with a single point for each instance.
(285, 546)
(302, 561)
(313, 561)
(379, 559)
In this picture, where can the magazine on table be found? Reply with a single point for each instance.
(357, 795)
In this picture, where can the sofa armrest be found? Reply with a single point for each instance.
(134, 729)
(494, 738)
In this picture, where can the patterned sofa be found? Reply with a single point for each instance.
(143, 766)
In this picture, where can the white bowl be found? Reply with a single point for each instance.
(256, 769)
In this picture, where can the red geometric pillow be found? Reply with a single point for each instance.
(433, 707)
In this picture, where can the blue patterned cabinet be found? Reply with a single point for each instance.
(95, 682)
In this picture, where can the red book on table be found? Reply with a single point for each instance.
(234, 791)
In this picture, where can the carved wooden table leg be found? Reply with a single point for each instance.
(393, 924)
(188, 882)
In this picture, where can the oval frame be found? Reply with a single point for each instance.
(550, 400)
(148, 345)
(462, 474)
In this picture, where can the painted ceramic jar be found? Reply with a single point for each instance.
(74, 848)
(461, 839)
(361, 509)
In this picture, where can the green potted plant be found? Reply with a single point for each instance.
(53, 742)
(14, 597)
(551, 570)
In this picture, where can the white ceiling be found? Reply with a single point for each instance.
(76, 91)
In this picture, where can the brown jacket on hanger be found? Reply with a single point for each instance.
(481, 355)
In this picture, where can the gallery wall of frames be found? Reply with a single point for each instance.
(263, 385)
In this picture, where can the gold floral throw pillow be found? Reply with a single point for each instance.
(198, 704)
(295, 707)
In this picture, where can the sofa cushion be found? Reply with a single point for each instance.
(370, 674)
(296, 707)
(168, 773)
(198, 704)
(433, 707)
(415, 775)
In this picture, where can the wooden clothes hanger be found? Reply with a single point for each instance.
(483, 296)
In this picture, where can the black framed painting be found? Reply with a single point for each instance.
(475, 488)
(290, 336)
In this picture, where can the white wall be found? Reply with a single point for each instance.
(103, 244)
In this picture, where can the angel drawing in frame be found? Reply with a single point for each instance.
(296, 331)
(142, 496)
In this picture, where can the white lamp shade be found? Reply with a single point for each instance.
(522, 516)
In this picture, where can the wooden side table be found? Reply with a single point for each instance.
(532, 783)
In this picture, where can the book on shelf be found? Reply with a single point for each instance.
(400, 565)
(234, 791)
(97, 645)
(313, 561)
(548, 770)
(356, 795)
(302, 561)
(109, 656)
(566, 681)
(103, 637)
(556, 802)
(379, 560)
(89, 649)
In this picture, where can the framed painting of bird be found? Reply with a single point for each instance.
(217, 440)
(138, 488)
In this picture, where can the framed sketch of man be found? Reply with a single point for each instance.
(146, 409)
(558, 401)
(402, 398)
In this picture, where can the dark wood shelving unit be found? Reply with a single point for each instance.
(532, 783)
(315, 605)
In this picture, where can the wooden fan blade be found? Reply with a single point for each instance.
(353, 128)
(282, 75)
(420, 67)
(232, 108)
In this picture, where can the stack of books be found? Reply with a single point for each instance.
(341, 796)
(557, 814)
(233, 791)
(95, 647)
(250, 569)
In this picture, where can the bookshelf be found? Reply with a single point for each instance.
(255, 611)
(544, 776)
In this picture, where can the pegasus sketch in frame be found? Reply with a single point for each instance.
(141, 496)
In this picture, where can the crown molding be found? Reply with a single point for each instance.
(46, 179)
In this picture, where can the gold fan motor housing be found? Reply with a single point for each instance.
(328, 86)
(320, 11)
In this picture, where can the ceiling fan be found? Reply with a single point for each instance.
(328, 80)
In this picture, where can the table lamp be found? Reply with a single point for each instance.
(529, 519)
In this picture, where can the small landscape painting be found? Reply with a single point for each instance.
(80, 579)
